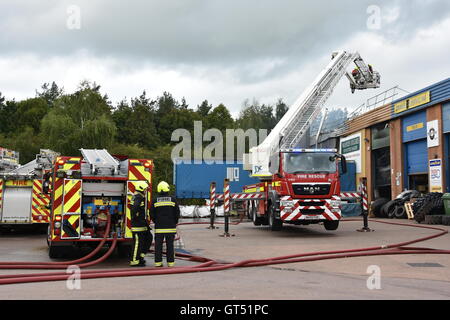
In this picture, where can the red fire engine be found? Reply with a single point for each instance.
(88, 189)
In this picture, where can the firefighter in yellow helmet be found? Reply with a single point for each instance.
(139, 226)
(165, 214)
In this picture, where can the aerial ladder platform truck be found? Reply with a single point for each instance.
(299, 185)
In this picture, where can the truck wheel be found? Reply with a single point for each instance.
(274, 224)
(257, 221)
(248, 211)
(331, 225)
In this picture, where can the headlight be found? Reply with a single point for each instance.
(286, 203)
(57, 224)
(335, 203)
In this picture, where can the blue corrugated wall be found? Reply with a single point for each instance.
(440, 92)
(192, 181)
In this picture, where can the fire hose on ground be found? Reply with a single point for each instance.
(61, 264)
(207, 264)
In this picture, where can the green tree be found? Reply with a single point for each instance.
(256, 116)
(85, 104)
(27, 143)
(8, 116)
(220, 118)
(98, 133)
(81, 119)
(30, 113)
(61, 133)
(137, 122)
(280, 109)
(166, 104)
(204, 108)
(50, 93)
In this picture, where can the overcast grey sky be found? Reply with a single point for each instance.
(222, 51)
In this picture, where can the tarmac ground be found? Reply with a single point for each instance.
(399, 277)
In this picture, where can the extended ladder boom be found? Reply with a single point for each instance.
(290, 130)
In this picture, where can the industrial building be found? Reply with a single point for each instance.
(404, 144)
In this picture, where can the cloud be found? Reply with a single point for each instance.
(200, 32)
(223, 51)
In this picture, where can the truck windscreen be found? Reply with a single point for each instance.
(297, 163)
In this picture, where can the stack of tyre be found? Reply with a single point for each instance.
(429, 209)
(384, 208)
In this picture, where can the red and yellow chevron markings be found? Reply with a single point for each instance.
(131, 189)
(140, 170)
(71, 209)
(68, 163)
(39, 206)
(67, 197)
(72, 196)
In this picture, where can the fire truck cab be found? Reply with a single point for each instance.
(85, 190)
(304, 189)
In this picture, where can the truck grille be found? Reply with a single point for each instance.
(311, 189)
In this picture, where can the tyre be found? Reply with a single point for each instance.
(446, 220)
(434, 220)
(388, 209)
(331, 225)
(274, 223)
(377, 205)
(431, 204)
(257, 221)
(400, 212)
(248, 210)
(48, 235)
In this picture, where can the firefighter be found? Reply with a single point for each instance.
(165, 214)
(139, 226)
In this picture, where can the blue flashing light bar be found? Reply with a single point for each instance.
(309, 151)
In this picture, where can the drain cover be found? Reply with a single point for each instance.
(426, 265)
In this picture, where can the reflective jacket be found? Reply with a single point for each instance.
(138, 219)
(165, 213)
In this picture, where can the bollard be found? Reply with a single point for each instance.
(212, 205)
(364, 206)
(226, 207)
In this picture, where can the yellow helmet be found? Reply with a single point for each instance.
(141, 186)
(163, 187)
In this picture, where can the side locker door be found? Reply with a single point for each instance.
(39, 206)
(131, 188)
(71, 216)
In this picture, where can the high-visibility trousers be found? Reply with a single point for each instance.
(170, 252)
(142, 242)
